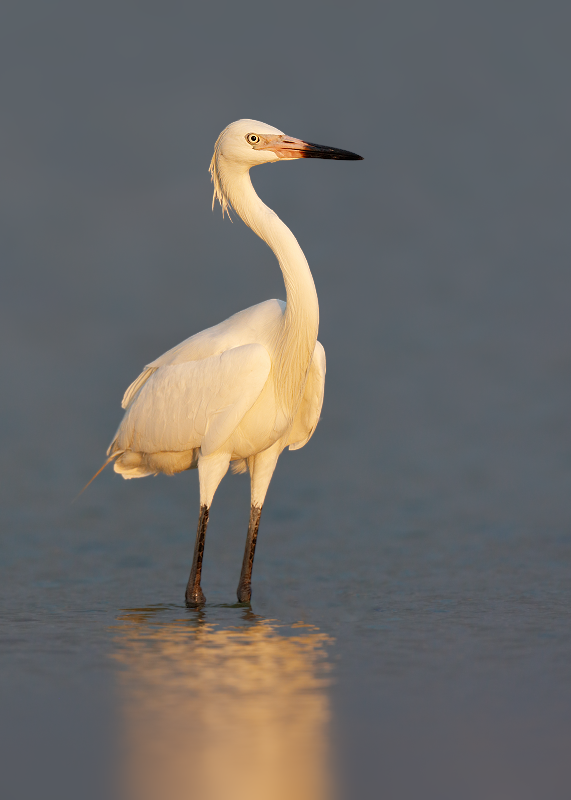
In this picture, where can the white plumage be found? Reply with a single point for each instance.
(242, 390)
(192, 400)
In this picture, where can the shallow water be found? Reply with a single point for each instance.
(409, 661)
(410, 628)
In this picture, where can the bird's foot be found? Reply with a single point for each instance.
(194, 597)
(244, 593)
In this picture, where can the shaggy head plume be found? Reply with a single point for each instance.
(219, 193)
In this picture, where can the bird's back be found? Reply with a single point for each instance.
(256, 324)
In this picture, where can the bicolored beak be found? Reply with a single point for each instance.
(288, 147)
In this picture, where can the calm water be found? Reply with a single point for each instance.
(410, 629)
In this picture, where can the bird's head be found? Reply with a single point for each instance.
(246, 143)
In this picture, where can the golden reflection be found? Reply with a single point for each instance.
(221, 713)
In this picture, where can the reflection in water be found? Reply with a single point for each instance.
(222, 713)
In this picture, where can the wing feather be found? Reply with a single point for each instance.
(194, 403)
(136, 385)
(249, 326)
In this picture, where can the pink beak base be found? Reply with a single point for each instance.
(288, 147)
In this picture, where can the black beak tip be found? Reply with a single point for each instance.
(311, 150)
(346, 155)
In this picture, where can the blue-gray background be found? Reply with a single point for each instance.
(426, 527)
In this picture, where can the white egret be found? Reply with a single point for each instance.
(242, 390)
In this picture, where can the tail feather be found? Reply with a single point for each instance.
(99, 471)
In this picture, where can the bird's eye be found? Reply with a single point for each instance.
(251, 138)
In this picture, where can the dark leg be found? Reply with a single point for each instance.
(194, 595)
(245, 585)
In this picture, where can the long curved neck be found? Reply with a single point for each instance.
(296, 341)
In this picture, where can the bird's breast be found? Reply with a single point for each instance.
(262, 425)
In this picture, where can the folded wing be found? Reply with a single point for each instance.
(181, 406)
(253, 325)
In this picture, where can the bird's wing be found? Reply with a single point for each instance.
(251, 325)
(194, 404)
(307, 417)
